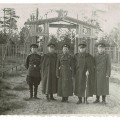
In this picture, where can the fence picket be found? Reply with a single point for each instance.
(16, 55)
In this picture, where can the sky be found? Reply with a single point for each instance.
(108, 19)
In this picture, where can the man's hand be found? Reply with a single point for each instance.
(87, 73)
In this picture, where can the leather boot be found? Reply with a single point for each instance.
(51, 97)
(48, 98)
(63, 99)
(85, 100)
(104, 99)
(31, 91)
(80, 100)
(66, 99)
(35, 92)
(97, 99)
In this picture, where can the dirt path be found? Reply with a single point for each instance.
(18, 91)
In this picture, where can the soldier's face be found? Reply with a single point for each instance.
(65, 50)
(34, 50)
(82, 50)
(101, 49)
(51, 49)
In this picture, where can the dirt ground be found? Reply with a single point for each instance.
(14, 91)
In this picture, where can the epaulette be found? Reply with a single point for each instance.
(30, 54)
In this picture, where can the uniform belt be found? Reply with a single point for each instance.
(65, 65)
(35, 65)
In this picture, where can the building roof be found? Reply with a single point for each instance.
(65, 19)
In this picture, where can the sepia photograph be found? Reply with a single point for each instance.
(60, 59)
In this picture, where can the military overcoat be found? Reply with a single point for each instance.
(48, 73)
(102, 69)
(84, 86)
(65, 74)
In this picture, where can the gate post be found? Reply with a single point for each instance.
(76, 42)
(78, 39)
(92, 41)
(46, 37)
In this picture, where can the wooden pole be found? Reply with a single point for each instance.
(76, 41)
(46, 38)
(115, 54)
(2, 61)
(118, 55)
(92, 42)
(4, 19)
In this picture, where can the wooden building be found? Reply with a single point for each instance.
(83, 30)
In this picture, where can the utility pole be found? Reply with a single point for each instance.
(37, 15)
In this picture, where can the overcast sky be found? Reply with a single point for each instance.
(109, 18)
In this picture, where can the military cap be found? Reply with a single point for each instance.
(82, 44)
(66, 45)
(51, 44)
(102, 43)
(33, 46)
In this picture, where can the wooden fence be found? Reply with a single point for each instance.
(13, 56)
(114, 53)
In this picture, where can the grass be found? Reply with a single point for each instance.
(12, 74)
(6, 95)
(4, 86)
(7, 87)
(11, 61)
(6, 106)
(5, 103)
(115, 80)
(15, 73)
(22, 86)
(11, 95)
(16, 104)
(8, 100)
(12, 71)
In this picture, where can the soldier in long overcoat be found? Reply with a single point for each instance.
(33, 65)
(48, 71)
(103, 71)
(65, 74)
(84, 73)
